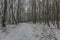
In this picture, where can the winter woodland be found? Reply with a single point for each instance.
(29, 19)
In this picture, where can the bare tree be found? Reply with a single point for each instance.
(34, 11)
(4, 15)
(47, 13)
(57, 10)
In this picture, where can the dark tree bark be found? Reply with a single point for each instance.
(47, 17)
(39, 11)
(57, 16)
(4, 15)
(34, 11)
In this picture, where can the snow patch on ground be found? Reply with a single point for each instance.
(29, 31)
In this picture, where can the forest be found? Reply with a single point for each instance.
(14, 12)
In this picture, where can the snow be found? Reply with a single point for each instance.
(57, 32)
(29, 31)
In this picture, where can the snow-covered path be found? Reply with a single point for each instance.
(22, 32)
(26, 31)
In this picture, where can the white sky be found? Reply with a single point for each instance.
(40, 0)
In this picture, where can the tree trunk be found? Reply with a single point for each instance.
(5, 12)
